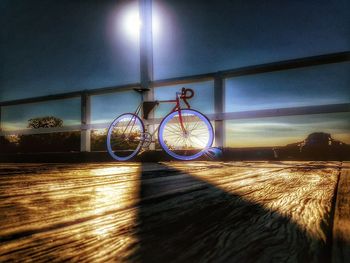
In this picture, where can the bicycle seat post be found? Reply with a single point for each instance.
(148, 104)
(141, 91)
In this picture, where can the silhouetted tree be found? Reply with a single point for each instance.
(45, 122)
(49, 142)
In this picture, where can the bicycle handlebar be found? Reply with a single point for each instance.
(186, 94)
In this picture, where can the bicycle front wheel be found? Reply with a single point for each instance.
(124, 137)
(188, 141)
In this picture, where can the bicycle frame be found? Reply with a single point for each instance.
(179, 96)
(186, 141)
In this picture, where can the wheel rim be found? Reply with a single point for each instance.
(194, 142)
(124, 137)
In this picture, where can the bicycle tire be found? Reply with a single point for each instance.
(176, 152)
(125, 149)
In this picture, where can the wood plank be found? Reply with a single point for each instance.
(341, 227)
(167, 212)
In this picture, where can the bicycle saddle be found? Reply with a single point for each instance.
(140, 90)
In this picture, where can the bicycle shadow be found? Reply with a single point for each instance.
(182, 218)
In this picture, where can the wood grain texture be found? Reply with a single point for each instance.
(167, 212)
(341, 229)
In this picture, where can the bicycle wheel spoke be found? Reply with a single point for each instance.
(200, 133)
(124, 137)
(185, 144)
(177, 140)
(187, 123)
(195, 126)
(173, 130)
(202, 143)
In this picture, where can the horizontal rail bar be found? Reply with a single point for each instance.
(41, 130)
(288, 64)
(306, 110)
(56, 129)
(183, 80)
(42, 98)
(100, 91)
(256, 69)
(292, 111)
(68, 95)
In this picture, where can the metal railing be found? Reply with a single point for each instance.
(219, 115)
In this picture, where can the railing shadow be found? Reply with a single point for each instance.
(182, 218)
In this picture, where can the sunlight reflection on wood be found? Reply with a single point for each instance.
(166, 212)
(59, 216)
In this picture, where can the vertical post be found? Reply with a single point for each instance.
(146, 44)
(0, 118)
(219, 100)
(85, 138)
(146, 56)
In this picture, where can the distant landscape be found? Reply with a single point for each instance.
(315, 146)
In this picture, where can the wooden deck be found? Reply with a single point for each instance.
(175, 212)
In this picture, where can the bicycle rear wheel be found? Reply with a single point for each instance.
(186, 144)
(124, 137)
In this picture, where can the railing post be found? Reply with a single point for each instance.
(85, 137)
(219, 100)
(0, 120)
(146, 56)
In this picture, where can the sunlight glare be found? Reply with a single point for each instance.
(132, 23)
(114, 170)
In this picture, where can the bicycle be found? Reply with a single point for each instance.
(184, 133)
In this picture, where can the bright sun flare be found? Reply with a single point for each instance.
(131, 23)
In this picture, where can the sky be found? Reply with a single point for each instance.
(56, 46)
(279, 131)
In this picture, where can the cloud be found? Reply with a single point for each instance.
(284, 130)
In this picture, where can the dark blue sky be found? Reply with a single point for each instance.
(56, 46)
(53, 46)
(233, 33)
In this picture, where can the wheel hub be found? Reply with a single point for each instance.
(186, 134)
